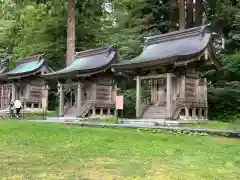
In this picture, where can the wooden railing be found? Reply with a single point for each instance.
(67, 106)
(179, 103)
(86, 108)
(89, 104)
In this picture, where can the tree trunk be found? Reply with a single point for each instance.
(189, 14)
(173, 16)
(70, 33)
(181, 10)
(198, 12)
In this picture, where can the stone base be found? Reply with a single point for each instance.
(163, 121)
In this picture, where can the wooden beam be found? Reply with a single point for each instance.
(155, 76)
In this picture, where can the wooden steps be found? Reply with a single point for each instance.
(155, 112)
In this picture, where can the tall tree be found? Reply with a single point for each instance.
(182, 18)
(199, 9)
(70, 32)
(189, 10)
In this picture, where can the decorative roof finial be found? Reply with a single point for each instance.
(203, 29)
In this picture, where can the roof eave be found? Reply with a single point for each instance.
(78, 73)
(25, 74)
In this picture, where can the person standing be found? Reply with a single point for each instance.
(18, 106)
(11, 108)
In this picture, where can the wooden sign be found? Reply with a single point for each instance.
(119, 102)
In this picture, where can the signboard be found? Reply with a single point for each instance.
(119, 102)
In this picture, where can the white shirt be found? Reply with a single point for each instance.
(17, 104)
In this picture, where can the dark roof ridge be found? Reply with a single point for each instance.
(91, 52)
(185, 33)
(30, 58)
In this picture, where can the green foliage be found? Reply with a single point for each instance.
(27, 28)
(109, 119)
(129, 110)
(223, 93)
(41, 28)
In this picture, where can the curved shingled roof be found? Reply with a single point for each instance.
(170, 47)
(88, 61)
(25, 67)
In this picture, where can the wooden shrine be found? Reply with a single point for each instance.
(168, 80)
(86, 86)
(25, 83)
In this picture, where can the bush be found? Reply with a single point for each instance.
(109, 119)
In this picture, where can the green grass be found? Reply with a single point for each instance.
(217, 125)
(55, 151)
(31, 116)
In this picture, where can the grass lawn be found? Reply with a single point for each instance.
(31, 116)
(54, 151)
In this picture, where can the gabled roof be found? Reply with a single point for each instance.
(171, 47)
(89, 61)
(26, 67)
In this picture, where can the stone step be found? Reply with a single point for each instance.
(147, 112)
(61, 118)
(153, 114)
(149, 116)
(162, 112)
(155, 117)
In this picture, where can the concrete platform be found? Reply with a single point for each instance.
(152, 122)
(219, 132)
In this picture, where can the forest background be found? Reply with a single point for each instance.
(27, 28)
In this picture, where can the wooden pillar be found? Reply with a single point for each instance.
(205, 113)
(205, 99)
(183, 87)
(152, 91)
(45, 98)
(138, 96)
(13, 91)
(182, 19)
(186, 113)
(197, 90)
(93, 111)
(109, 112)
(169, 95)
(79, 99)
(61, 100)
(94, 91)
(205, 90)
(110, 93)
(115, 89)
(156, 90)
(193, 113)
(2, 96)
(46, 95)
(101, 112)
(200, 113)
